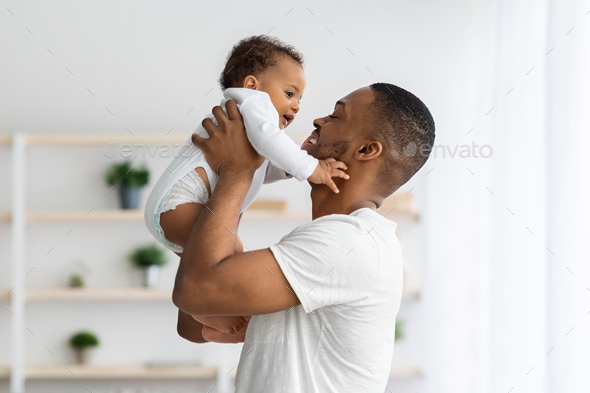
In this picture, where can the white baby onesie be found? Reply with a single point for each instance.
(180, 183)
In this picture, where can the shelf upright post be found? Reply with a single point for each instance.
(17, 299)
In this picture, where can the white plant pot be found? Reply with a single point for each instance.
(151, 275)
(84, 356)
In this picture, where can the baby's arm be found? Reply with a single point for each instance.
(323, 173)
(271, 142)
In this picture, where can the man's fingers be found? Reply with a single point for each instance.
(219, 115)
(198, 140)
(232, 110)
(208, 125)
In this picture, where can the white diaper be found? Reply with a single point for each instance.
(189, 189)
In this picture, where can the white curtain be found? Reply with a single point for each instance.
(568, 195)
(507, 273)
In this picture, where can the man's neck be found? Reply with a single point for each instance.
(325, 202)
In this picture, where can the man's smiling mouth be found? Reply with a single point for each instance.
(312, 139)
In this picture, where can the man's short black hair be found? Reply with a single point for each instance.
(404, 126)
(252, 56)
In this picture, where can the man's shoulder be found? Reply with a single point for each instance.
(342, 228)
(358, 219)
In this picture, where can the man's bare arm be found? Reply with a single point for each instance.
(244, 284)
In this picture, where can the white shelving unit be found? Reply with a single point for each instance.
(398, 208)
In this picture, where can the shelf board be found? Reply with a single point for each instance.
(122, 215)
(397, 371)
(405, 371)
(98, 294)
(76, 371)
(136, 215)
(39, 139)
(411, 291)
(5, 139)
(126, 294)
(73, 139)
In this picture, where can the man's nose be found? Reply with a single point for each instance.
(319, 123)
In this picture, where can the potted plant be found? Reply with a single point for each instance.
(76, 280)
(130, 181)
(149, 258)
(399, 330)
(83, 343)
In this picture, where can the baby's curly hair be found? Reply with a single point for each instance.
(252, 56)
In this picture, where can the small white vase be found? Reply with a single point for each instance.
(151, 276)
(84, 355)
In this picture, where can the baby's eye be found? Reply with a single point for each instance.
(289, 94)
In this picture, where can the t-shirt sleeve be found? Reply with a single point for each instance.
(329, 261)
(274, 174)
(261, 121)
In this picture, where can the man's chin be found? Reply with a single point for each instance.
(310, 149)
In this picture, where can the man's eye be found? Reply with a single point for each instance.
(332, 117)
(289, 94)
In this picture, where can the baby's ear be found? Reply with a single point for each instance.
(250, 82)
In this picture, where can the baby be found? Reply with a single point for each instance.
(266, 80)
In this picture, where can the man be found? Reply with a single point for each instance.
(324, 299)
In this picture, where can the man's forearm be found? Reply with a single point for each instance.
(213, 236)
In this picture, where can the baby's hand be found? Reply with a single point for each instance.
(326, 170)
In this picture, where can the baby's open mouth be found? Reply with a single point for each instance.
(288, 119)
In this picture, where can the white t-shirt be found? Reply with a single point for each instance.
(261, 120)
(347, 272)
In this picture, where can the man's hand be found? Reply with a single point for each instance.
(228, 149)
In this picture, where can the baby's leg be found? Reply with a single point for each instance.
(177, 223)
(216, 336)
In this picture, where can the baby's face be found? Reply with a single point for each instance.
(285, 84)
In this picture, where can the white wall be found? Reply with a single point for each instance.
(150, 64)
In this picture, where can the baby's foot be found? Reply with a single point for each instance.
(239, 326)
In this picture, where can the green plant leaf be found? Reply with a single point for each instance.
(148, 255)
(399, 330)
(127, 174)
(84, 339)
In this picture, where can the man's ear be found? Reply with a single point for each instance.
(250, 82)
(368, 151)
